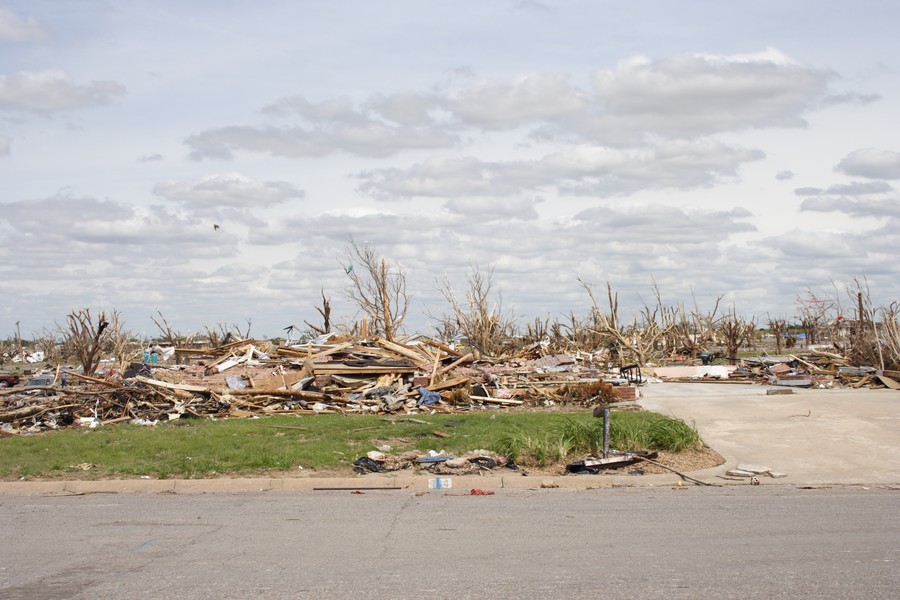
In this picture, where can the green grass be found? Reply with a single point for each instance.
(201, 448)
(651, 431)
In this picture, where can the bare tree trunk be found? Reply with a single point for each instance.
(481, 321)
(86, 338)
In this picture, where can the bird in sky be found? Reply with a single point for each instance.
(215, 227)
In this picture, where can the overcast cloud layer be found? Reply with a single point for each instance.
(213, 160)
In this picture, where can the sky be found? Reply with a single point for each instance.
(703, 149)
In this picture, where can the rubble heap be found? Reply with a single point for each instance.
(331, 374)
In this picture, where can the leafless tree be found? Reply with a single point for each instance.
(695, 331)
(480, 317)
(325, 312)
(891, 335)
(779, 328)
(213, 335)
(735, 332)
(378, 288)
(241, 334)
(639, 338)
(86, 337)
(166, 329)
(121, 342)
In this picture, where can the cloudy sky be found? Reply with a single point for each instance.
(714, 148)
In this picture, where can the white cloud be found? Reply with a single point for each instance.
(872, 163)
(689, 97)
(701, 94)
(4, 145)
(439, 177)
(501, 209)
(526, 100)
(581, 170)
(884, 207)
(667, 224)
(849, 189)
(228, 190)
(15, 29)
(330, 126)
(52, 91)
(406, 108)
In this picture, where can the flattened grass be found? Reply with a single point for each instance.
(201, 448)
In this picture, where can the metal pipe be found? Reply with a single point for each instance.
(606, 432)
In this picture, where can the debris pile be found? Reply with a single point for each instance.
(331, 374)
(815, 368)
(476, 462)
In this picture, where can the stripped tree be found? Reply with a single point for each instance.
(640, 338)
(480, 317)
(377, 287)
(86, 337)
(735, 332)
(325, 312)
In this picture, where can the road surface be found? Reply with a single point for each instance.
(682, 542)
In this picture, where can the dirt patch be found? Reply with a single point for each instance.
(686, 461)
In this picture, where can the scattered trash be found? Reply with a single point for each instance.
(367, 465)
(440, 483)
(593, 466)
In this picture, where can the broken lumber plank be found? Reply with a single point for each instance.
(330, 351)
(32, 410)
(337, 368)
(462, 359)
(441, 346)
(302, 394)
(183, 387)
(450, 383)
(863, 381)
(437, 363)
(93, 379)
(417, 358)
(492, 400)
(812, 367)
(888, 382)
(198, 351)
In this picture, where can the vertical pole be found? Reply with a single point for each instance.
(19, 341)
(606, 432)
(860, 302)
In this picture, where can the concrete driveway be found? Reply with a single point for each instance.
(815, 436)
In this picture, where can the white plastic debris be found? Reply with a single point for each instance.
(91, 422)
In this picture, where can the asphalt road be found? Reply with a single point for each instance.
(746, 542)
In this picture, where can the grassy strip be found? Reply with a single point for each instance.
(628, 431)
(201, 448)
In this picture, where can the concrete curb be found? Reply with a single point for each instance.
(370, 482)
(388, 482)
